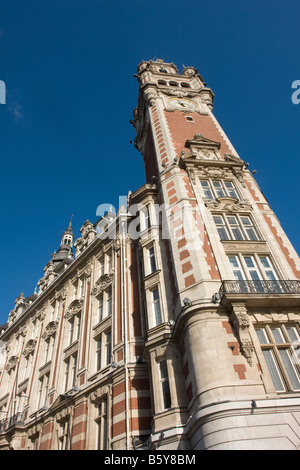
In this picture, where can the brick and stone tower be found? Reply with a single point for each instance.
(175, 324)
(233, 273)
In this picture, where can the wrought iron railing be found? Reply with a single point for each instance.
(259, 287)
(6, 423)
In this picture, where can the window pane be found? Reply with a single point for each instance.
(223, 233)
(108, 347)
(231, 189)
(238, 275)
(165, 384)
(163, 370)
(293, 335)
(233, 261)
(237, 234)
(246, 221)
(270, 275)
(152, 261)
(264, 261)
(254, 276)
(218, 220)
(109, 302)
(285, 357)
(277, 335)
(278, 384)
(251, 234)
(249, 262)
(98, 354)
(232, 220)
(262, 337)
(156, 306)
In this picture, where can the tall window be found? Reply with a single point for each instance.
(67, 371)
(151, 259)
(43, 390)
(102, 425)
(165, 386)
(156, 307)
(278, 344)
(254, 268)
(108, 348)
(74, 331)
(70, 372)
(101, 267)
(49, 348)
(100, 308)
(98, 353)
(235, 228)
(109, 302)
(109, 262)
(103, 350)
(214, 189)
(74, 369)
(28, 366)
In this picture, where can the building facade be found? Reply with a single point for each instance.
(173, 324)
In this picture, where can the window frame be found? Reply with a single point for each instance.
(212, 188)
(274, 346)
(240, 226)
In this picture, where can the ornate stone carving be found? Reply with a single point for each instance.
(11, 363)
(50, 329)
(29, 347)
(102, 283)
(241, 324)
(99, 393)
(74, 308)
(228, 204)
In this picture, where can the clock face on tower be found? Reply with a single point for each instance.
(182, 103)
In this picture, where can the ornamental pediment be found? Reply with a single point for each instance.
(74, 308)
(199, 141)
(102, 284)
(200, 148)
(29, 347)
(50, 329)
(228, 204)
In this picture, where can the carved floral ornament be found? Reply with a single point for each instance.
(50, 329)
(228, 204)
(29, 347)
(74, 308)
(102, 284)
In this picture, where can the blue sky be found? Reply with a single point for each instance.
(64, 131)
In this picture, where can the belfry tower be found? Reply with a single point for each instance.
(233, 273)
(181, 332)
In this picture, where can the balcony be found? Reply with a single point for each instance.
(277, 293)
(16, 419)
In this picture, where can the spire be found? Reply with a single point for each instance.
(65, 250)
